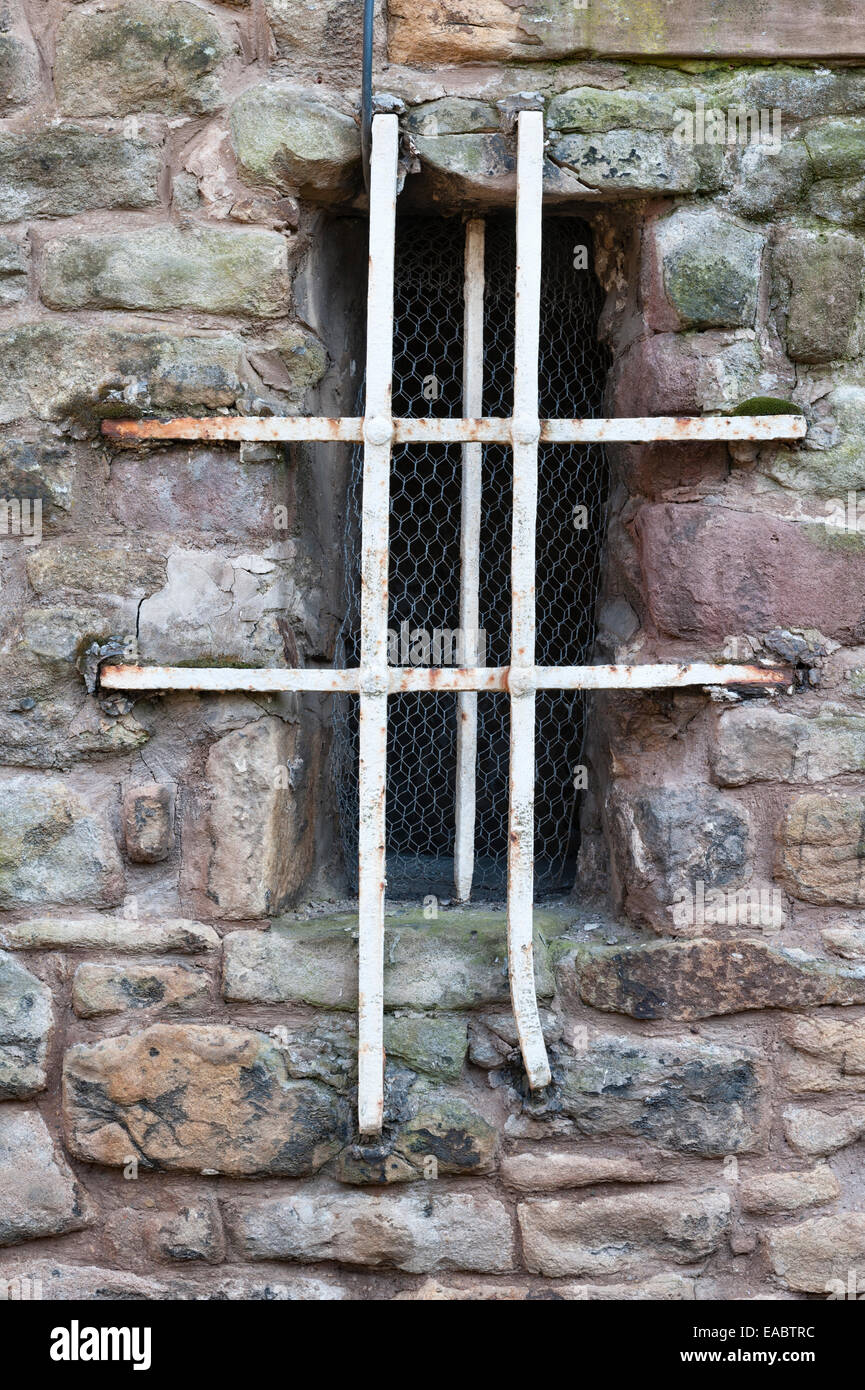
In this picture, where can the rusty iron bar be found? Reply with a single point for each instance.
(526, 434)
(375, 522)
(470, 554)
(407, 679)
(457, 430)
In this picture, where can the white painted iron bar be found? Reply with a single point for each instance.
(526, 433)
(409, 679)
(378, 433)
(457, 429)
(470, 544)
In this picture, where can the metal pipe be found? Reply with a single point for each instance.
(348, 429)
(526, 433)
(470, 545)
(375, 517)
(366, 89)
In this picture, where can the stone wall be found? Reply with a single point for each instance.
(182, 209)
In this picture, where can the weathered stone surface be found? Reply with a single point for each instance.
(445, 1127)
(457, 962)
(137, 57)
(13, 272)
(759, 743)
(775, 1193)
(54, 846)
(687, 1095)
(661, 1288)
(848, 942)
(463, 151)
(547, 1172)
(684, 980)
(823, 272)
(821, 851)
(837, 148)
(665, 840)
(124, 934)
(814, 1133)
(839, 201)
(834, 1055)
(820, 1255)
(494, 1041)
(38, 1194)
(59, 368)
(218, 608)
(436, 1046)
(834, 468)
(638, 162)
(187, 1233)
(771, 178)
(26, 1021)
(40, 469)
(116, 989)
(198, 1097)
(610, 1235)
(95, 569)
(148, 822)
(710, 268)
(219, 271)
(468, 31)
(19, 61)
(291, 140)
(692, 373)
(66, 168)
(51, 1282)
(419, 1231)
(329, 29)
(247, 852)
(710, 571)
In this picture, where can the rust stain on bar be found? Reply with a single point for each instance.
(348, 429)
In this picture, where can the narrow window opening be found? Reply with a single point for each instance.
(424, 575)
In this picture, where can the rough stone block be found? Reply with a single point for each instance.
(148, 822)
(685, 980)
(293, 141)
(771, 179)
(682, 1094)
(636, 163)
(95, 569)
(115, 989)
(823, 1255)
(710, 571)
(775, 1193)
(247, 851)
(548, 1172)
(837, 147)
(418, 1231)
(821, 849)
(823, 274)
(64, 169)
(758, 743)
(837, 466)
(26, 1021)
(829, 1055)
(815, 1133)
(13, 272)
(436, 1046)
(455, 963)
(611, 1235)
(123, 934)
(62, 368)
(215, 270)
(19, 60)
(665, 840)
(39, 1196)
(55, 847)
(198, 1098)
(710, 268)
(139, 57)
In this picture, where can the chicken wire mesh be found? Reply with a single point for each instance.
(424, 570)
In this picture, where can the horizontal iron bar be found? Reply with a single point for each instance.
(457, 430)
(401, 679)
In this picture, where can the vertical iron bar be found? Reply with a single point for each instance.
(526, 433)
(470, 529)
(377, 433)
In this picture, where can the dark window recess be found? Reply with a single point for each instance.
(424, 558)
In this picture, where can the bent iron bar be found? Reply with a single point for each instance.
(375, 680)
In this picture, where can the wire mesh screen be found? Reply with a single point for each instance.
(424, 575)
